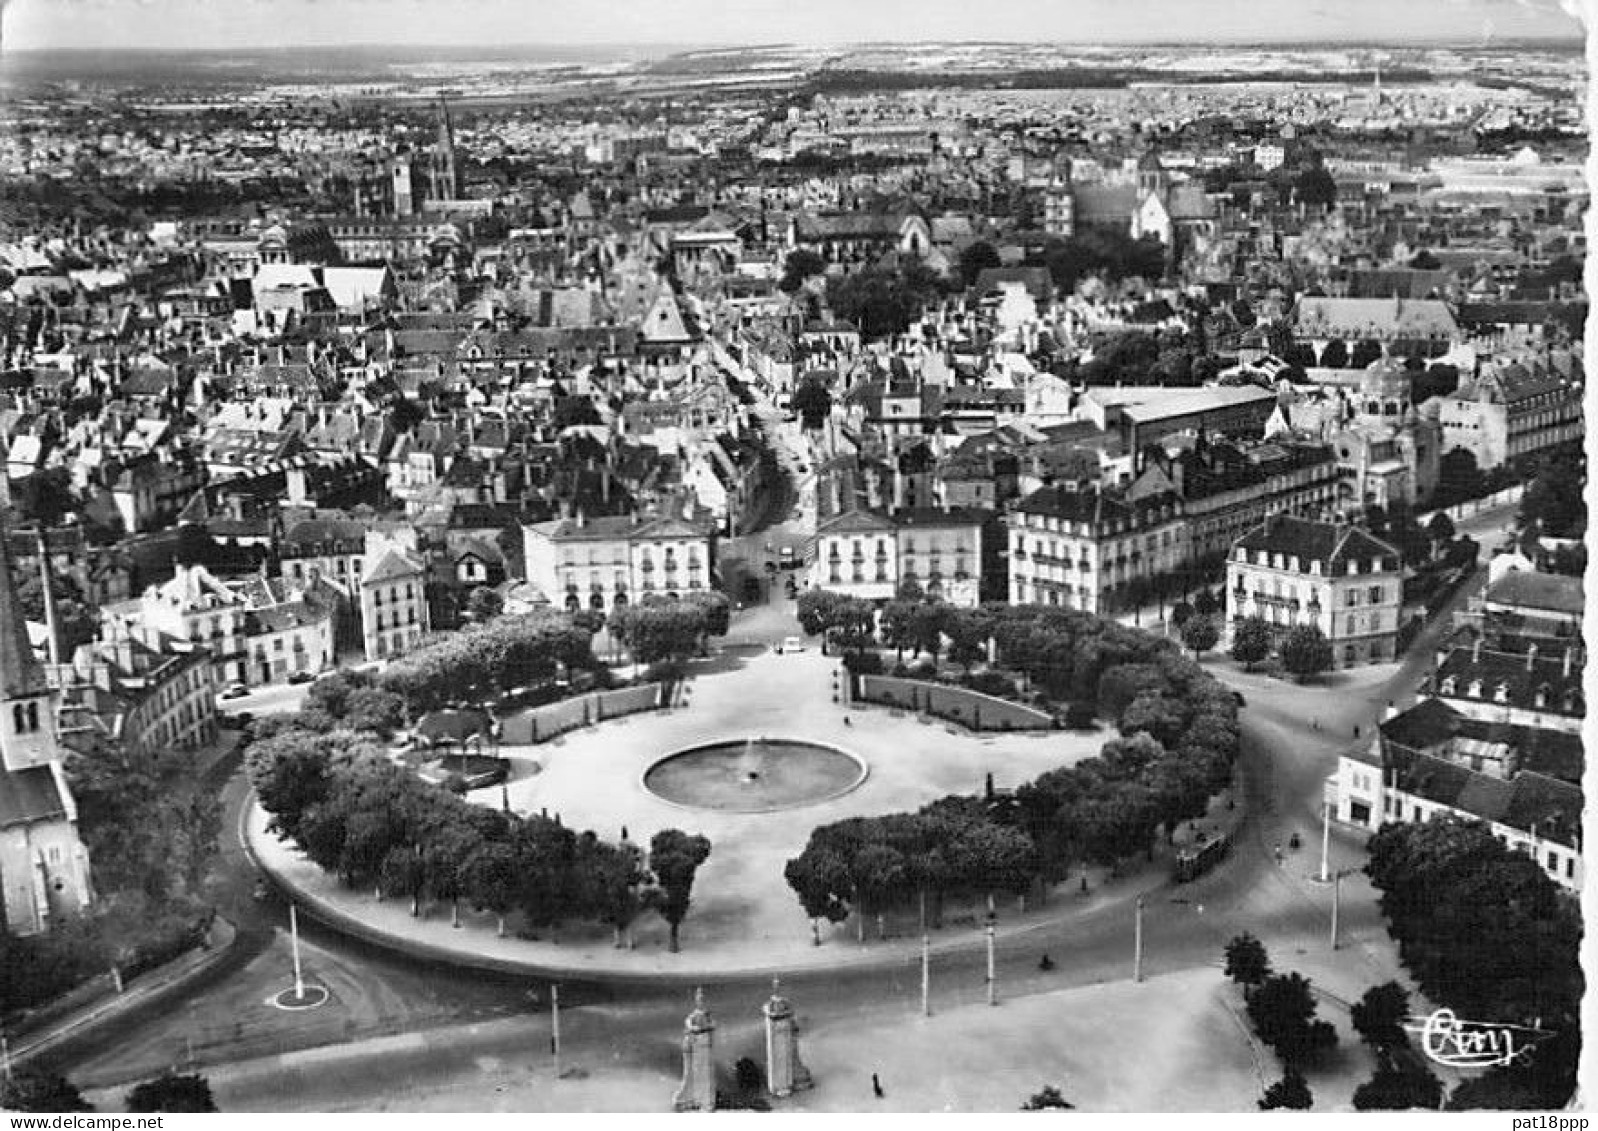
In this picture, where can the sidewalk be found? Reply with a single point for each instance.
(1164, 1044)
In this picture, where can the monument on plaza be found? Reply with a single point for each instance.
(785, 1072)
(698, 1089)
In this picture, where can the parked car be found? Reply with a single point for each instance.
(235, 691)
(792, 644)
(301, 677)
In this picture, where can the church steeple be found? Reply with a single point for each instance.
(27, 702)
(21, 675)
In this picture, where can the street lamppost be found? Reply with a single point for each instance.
(993, 985)
(1326, 840)
(554, 1026)
(926, 976)
(1337, 895)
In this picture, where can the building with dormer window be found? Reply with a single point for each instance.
(1081, 549)
(1537, 687)
(1291, 571)
(1440, 757)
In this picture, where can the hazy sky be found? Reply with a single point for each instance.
(265, 23)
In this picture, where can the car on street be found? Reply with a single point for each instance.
(788, 558)
(301, 677)
(235, 691)
(792, 644)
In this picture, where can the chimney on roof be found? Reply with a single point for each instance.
(1570, 654)
(1475, 651)
(1531, 657)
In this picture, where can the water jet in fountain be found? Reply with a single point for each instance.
(754, 775)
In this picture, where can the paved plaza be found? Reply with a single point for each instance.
(744, 915)
(1174, 1043)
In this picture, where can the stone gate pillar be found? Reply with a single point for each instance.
(785, 1072)
(697, 1091)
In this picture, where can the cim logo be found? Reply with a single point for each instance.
(1450, 1040)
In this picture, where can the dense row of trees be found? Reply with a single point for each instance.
(1178, 739)
(32, 1089)
(1141, 357)
(482, 661)
(1282, 1008)
(953, 846)
(1108, 253)
(658, 629)
(1485, 932)
(375, 825)
(882, 302)
(1554, 503)
(812, 400)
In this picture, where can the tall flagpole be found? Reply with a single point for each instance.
(1137, 943)
(294, 941)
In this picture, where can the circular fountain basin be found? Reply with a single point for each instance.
(754, 775)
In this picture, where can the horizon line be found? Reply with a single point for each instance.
(1416, 41)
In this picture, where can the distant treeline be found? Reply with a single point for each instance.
(1084, 78)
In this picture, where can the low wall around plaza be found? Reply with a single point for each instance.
(957, 704)
(540, 724)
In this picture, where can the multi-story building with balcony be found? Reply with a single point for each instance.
(1082, 548)
(940, 549)
(856, 553)
(612, 561)
(394, 609)
(194, 607)
(1229, 488)
(1291, 571)
(256, 630)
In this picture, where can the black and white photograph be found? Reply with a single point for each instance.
(870, 558)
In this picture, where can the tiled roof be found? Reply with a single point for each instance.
(29, 796)
(1521, 677)
(1093, 506)
(1544, 592)
(1332, 544)
(390, 567)
(930, 517)
(854, 521)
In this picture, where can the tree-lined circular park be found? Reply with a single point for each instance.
(811, 819)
